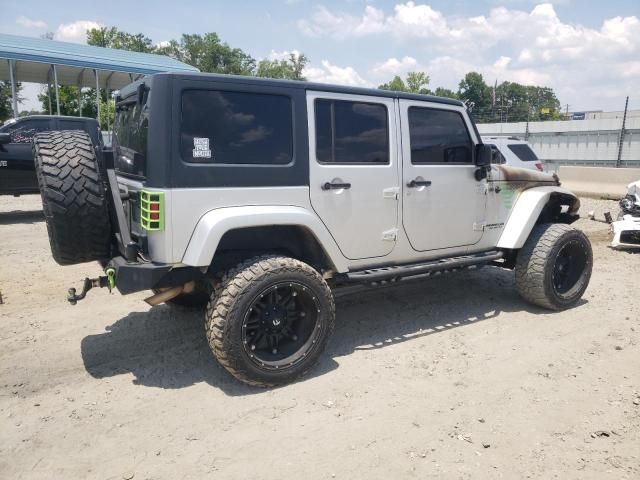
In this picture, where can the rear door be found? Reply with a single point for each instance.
(443, 203)
(354, 177)
(17, 170)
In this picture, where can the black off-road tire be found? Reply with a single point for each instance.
(232, 298)
(73, 197)
(540, 261)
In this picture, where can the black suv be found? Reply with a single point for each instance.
(17, 170)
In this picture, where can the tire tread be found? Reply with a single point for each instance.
(73, 196)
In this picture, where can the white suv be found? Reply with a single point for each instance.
(514, 152)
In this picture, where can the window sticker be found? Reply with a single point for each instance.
(201, 148)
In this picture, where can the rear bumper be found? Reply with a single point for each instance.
(137, 276)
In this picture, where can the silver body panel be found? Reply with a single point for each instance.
(379, 221)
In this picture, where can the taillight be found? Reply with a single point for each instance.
(540, 167)
(152, 210)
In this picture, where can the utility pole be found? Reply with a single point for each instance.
(566, 115)
(624, 124)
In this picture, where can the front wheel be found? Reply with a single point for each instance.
(553, 267)
(269, 320)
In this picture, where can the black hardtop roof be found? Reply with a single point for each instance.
(271, 82)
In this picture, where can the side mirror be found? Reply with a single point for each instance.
(484, 155)
(5, 138)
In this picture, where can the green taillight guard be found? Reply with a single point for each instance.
(152, 210)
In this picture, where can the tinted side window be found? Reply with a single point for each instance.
(523, 152)
(23, 132)
(351, 132)
(438, 136)
(222, 127)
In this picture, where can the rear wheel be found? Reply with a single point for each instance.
(269, 320)
(553, 268)
(73, 197)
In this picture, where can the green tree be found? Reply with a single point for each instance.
(416, 82)
(6, 101)
(107, 113)
(475, 92)
(290, 68)
(111, 37)
(445, 92)
(70, 101)
(210, 54)
(520, 103)
(396, 85)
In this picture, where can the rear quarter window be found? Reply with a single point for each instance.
(236, 128)
(523, 152)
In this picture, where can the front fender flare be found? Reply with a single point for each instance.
(526, 211)
(215, 223)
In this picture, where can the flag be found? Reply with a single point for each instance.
(493, 94)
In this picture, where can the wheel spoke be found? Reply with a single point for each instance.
(258, 338)
(285, 301)
(273, 297)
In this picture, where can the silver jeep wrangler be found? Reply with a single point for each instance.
(258, 199)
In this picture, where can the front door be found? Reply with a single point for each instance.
(443, 204)
(353, 167)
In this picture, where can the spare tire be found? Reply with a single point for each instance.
(73, 196)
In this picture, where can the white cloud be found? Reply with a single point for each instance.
(541, 28)
(284, 55)
(163, 44)
(75, 32)
(29, 23)
(532, 46)
(329, 73)
(393, 66)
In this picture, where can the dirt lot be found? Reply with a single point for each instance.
(453, 377)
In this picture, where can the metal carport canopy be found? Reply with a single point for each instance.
(44, 61)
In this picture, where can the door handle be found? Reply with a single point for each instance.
(335, 186)
(419, 183)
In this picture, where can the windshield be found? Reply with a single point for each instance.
(523, 152)
(130, 136)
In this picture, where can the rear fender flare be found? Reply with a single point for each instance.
(214, 224)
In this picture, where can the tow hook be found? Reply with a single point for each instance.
(108, 281)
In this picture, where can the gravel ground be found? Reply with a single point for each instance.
(453, 377)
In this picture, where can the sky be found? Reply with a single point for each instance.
(587, 51)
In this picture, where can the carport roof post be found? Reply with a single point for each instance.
(32, 59)
(14, 96)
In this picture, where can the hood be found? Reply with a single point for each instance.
(508, 173)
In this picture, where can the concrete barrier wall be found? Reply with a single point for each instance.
(598, 182)
(576, 142)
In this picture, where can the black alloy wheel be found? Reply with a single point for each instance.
(282, 325)
(569, 266)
